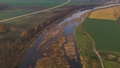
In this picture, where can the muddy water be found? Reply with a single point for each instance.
(31, 56)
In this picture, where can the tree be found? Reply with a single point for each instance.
(24, 35)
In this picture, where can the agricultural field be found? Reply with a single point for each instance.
(21, 7)
(42, 3)
(103, 26)
(31, 1)
(105, 33)
(5, 14)
(107, 13)
(88, 0)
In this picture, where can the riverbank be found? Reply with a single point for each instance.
(107, 63)
(49, 27)
(68, 25)
(85, 47)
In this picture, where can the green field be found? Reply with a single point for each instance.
(80, 3)
(105, 33)
(85, 49)
(45, 5)
(32, 1)
(8, 13)
(109, 64)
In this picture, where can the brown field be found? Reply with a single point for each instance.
(112, 13)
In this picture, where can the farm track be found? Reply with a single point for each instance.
(96, 52)
(34, 12)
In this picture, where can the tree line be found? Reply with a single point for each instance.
(57, 14)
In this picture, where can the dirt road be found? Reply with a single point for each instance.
(96, 52)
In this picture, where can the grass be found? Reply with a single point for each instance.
(31, 1)
(105, 33)
(45, 5)
(109, 64)
(85, 49)
(8, 13)
(79, 3)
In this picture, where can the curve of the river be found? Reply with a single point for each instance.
(28, 59)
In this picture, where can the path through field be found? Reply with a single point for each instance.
(96, 52)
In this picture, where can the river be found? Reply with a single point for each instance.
(31, 56)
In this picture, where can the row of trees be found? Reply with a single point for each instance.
(58, 14)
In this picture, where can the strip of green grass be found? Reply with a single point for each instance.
(79, 3)
(105, 33)
(109, 64)
(31, 1)
(46, 5)
(85, 49)
(43, 3)
(8, 13)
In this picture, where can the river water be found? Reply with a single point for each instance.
(31, 56)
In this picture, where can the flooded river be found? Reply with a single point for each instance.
(31, 56)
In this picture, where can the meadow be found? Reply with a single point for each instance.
(109, 64)
(88, 57)
(44, 5)
(8, 13)
(31, 1)
(105, 33)
(79, 3)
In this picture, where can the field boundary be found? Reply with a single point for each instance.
(93, 46)
(34, 12)
(95, 51)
